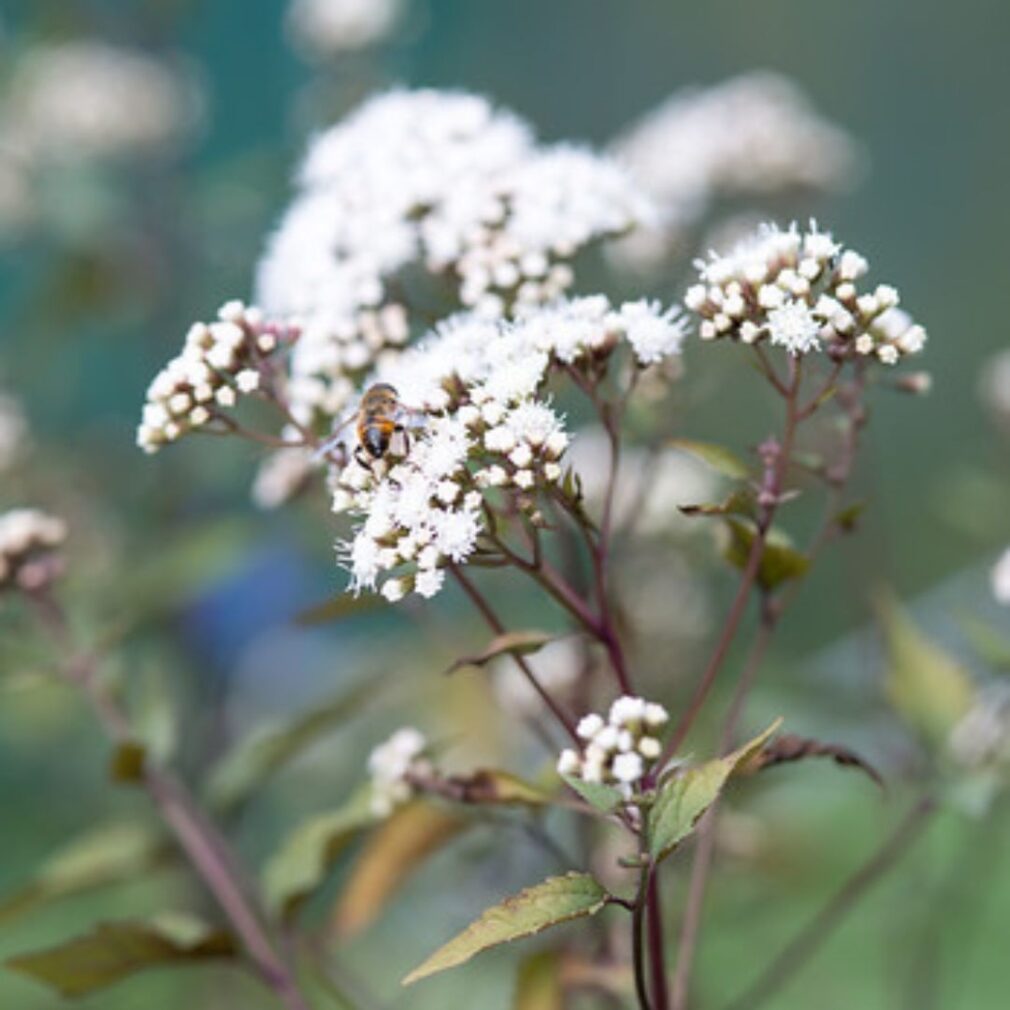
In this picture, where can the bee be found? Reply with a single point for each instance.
(380, 417)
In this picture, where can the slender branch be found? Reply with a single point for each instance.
(815, 934)
(638, 947)
(657, 947)
(493, 621)
(207, 850)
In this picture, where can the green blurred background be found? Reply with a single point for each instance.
(97, 295)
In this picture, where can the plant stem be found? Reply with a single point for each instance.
(815, 934)
(494, 623)
(657, 947)
(206, 849)
(638, 947)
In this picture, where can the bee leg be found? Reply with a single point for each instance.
(361, 458)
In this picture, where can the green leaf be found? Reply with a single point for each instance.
(389, 857)
(718, 457)
(341, 607)
(110, 854)
(682, 799)
(556, 900)
(598, 795)
(992, 647)
(539, 986)
(848, 518)
(113, 951)
(513, 643)
(305, 858)
(928, 688)
(780, 561)
(741, 502)
(262, 752)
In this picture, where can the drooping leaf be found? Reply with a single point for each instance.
(389, 857)
(263, 752)
(556, 900)
(492, 786)
(340, 608)
(112, 951)
(539, 985)
(928, 688)
(513, 643)
(789, 748)
(109, 854)
(718, 457)
(682, 799)
(780, 561)
(306, 856)
(598, 795)
(127, 763)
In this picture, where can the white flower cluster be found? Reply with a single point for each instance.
(982, 737)
(477, 381)
(25, 535)
(391, 763)
(750, 135)
(13, 431)
(442, 180)
(797, 289)
(1001, 579)
(93, 100)
(219, 362)
(322, 28)
(618, 750)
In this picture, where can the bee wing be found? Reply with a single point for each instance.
(336, 438)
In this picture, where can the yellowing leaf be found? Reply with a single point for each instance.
(556, 900)
(927, 687)
(683, 799)
(718, 457)
(306, 856)
(389, 857)
(513, 643)
(112, 951)
(538, 986)
(489, 785)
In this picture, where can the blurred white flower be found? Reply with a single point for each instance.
(1001, 579)
(441, 179)
(219, 361)
(982, 737)
(80, 100)
(323, 28)
(618, 750)
(556, 667)
(995, 386)
(749, 136)
(28, 536)
(798, 289)
(391, 763)
(13, 431)
(281, 476)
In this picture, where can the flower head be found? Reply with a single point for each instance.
(391, 764)
(29, 539)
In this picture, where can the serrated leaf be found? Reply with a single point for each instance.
(539, 985)
(306, 856)
(113, 951)
(598, 795)
(389, 857)
(556, 900)
(513, 643)
(682, 799)
(340, 608)
(780, 561)
(110, 854)
(264, 751)
(718, 457)
(928, 688)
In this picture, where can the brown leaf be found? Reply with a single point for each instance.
(789, 747)
(514, 643)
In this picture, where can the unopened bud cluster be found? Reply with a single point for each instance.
(620, 749)
(798, 290)
(391, 765)
(220, 361)
(28, 540)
